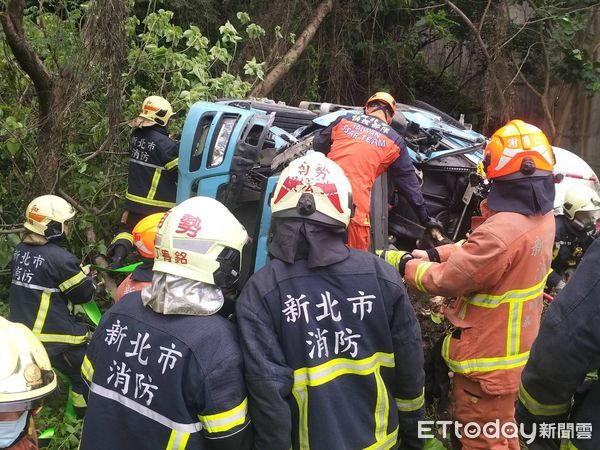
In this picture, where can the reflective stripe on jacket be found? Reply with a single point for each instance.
(333, 355)
(152, 178)
(45, 279)
(163, 381)
(498, 275)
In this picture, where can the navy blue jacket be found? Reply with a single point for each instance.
(566, 349)
(45, 279)
(164, 382)
(333, 355)
(152, 178)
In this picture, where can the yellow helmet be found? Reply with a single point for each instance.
(201, 240)
(26, 375)
(46, 215)
(579, 200)
(383, 97)
(156, 110)
(313, 188)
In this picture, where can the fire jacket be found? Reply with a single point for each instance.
(152, 179)
(45, 280)
(498, 275)
(365, 147)
(164, 382)
(332, 355)
(566, 349)
(569, 247)
(135, 281)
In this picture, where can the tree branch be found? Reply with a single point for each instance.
(266, 86)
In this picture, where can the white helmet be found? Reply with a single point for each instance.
(201, 240)
(156, 110)
(26, 374)
(314, 188)
(581, 199)
(46, 216)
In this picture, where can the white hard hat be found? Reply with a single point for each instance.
(200, 239)
(26, 375)
(313, 188)
(46, 215)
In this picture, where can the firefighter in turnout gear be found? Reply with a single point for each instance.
(143, 240)
(26, 377)
(46, 281)
(165, 370)
(331, 344)
(554, 390)
(575, 232)
(365, 146)
(152, 176)
(498, 275)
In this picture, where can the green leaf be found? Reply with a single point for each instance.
(277, 31)
(436, 317)
(13, 146)
(243, 17)
(433, 444)
(255, 31)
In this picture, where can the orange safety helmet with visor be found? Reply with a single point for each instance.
(144, 233)
(518, 150)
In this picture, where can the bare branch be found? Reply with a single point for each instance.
(485, 11)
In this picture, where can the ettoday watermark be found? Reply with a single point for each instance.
(507, 430)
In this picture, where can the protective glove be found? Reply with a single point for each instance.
(397, 258)
(117, 253)
(432, 222)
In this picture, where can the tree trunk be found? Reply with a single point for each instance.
(265, 87)
(51, 102)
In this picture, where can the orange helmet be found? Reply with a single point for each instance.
(383, 97)
(144, 233)
(518, 149)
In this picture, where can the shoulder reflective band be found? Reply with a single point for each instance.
(73, 281)
(225, 421)
(145, 411)
(124, 236)
(414, 404)
(539, 409)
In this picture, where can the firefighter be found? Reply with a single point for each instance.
(46, 281)
(566, 349)
(498, 275)
(152, 177)
(332, 348)
(143, 240)
(26, 377)
(365, 146)
(575, 231)
(165, 370)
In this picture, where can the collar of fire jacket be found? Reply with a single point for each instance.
(527, 196)
(320, 245)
